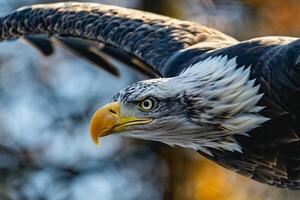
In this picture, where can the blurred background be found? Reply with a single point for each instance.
(46, 104)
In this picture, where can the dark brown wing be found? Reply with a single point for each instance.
(154, 39)
(271, 153)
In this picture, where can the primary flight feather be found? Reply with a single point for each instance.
(236, 103)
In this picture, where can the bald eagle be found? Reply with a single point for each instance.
(236, 103)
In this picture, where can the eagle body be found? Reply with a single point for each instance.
(236, 103)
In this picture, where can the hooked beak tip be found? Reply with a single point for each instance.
(103, 121)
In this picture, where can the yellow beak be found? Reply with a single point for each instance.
(108, 120)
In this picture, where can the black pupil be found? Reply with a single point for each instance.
(146, 103)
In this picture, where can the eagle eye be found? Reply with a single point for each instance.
(147, 104)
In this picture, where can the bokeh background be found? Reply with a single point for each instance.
(46, 104)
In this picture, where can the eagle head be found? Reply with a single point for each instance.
(200, 109)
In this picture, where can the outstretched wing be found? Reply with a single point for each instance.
(127, 34)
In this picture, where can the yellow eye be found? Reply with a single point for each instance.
(147, 104)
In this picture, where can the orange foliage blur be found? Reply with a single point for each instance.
(193, 177)
(277, 17)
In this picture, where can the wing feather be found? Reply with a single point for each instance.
(152, 38)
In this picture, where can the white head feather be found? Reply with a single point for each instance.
(225, 101)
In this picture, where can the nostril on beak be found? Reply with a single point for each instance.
(113, 112)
